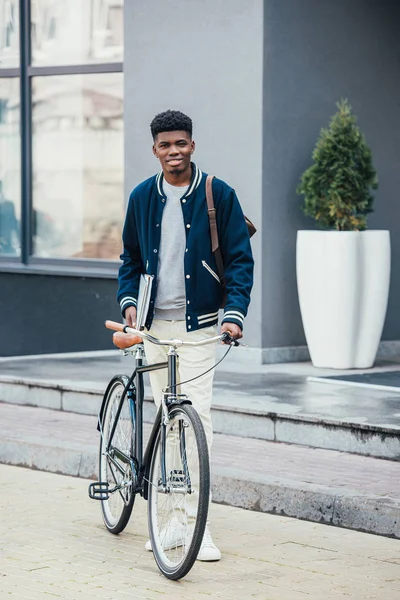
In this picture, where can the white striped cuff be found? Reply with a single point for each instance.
(127, 301)
(234, 315)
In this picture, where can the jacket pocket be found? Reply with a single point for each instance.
(209, 269)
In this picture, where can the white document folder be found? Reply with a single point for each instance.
(143, 303)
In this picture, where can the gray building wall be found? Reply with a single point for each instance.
(205, 59)
(259, 79)
(314, 54)
(42, 314)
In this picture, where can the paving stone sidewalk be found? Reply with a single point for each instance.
(53, 545)
(320, 485)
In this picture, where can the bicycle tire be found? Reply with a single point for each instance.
(192, 531)
(117, 509)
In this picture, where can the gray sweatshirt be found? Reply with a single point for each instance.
(171, 300)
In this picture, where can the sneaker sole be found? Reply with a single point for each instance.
(168, 548)
(208, 559)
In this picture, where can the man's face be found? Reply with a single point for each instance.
(174, 149)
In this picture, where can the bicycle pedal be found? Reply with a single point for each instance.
(99, 490)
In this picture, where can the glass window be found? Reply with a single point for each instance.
(76, 32)
(10, 187)
(77, 141)
(9, 33)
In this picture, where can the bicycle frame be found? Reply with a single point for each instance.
(177, 445)
(141, 464)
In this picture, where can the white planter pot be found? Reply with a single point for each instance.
(343, 285)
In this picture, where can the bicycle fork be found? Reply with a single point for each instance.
(179, 480)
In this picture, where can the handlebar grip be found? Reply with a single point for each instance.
(228, 339)
(115, 326)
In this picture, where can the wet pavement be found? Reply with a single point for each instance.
(282, 389)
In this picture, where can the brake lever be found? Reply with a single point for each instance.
(228, 339)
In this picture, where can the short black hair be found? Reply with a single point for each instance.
(171, 120)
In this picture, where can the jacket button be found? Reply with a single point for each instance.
(189, 327)
(186, 250)
(188, 225)
(155, 250)
(183, 201)
(188, 318)
(188, 301)
(187, 276)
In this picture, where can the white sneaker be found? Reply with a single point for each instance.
(173, 538)
(208, 550)
(176, 535)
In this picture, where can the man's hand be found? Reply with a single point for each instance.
(233, 330)
(130, 316)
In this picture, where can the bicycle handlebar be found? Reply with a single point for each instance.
(115, 326)
(225, 337)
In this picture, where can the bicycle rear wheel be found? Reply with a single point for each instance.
(113, 469)
(178, 514)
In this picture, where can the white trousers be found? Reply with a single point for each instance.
(192, 361)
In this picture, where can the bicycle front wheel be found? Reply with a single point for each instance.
(178, 512)
(114, 456)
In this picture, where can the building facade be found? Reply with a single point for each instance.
(80, 81)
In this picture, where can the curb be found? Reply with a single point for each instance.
(355, 438)
(316, 503)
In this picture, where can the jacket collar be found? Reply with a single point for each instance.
(194, 183)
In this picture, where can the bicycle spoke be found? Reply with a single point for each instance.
(177, 514)
(113, 466)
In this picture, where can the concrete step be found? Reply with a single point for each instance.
(233, 413)
(346, 490)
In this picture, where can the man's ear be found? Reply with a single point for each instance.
(193, 147)
(154, 150)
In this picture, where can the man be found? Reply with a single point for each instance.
(167, 234)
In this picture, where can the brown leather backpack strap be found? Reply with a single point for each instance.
(211, 214)
(213, 229)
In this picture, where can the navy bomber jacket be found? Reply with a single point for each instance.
(141, 240)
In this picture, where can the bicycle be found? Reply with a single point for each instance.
(173, 474)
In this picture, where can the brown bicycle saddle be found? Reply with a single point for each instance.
(125, 340)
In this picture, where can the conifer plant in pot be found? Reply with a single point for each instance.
(343, 272)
